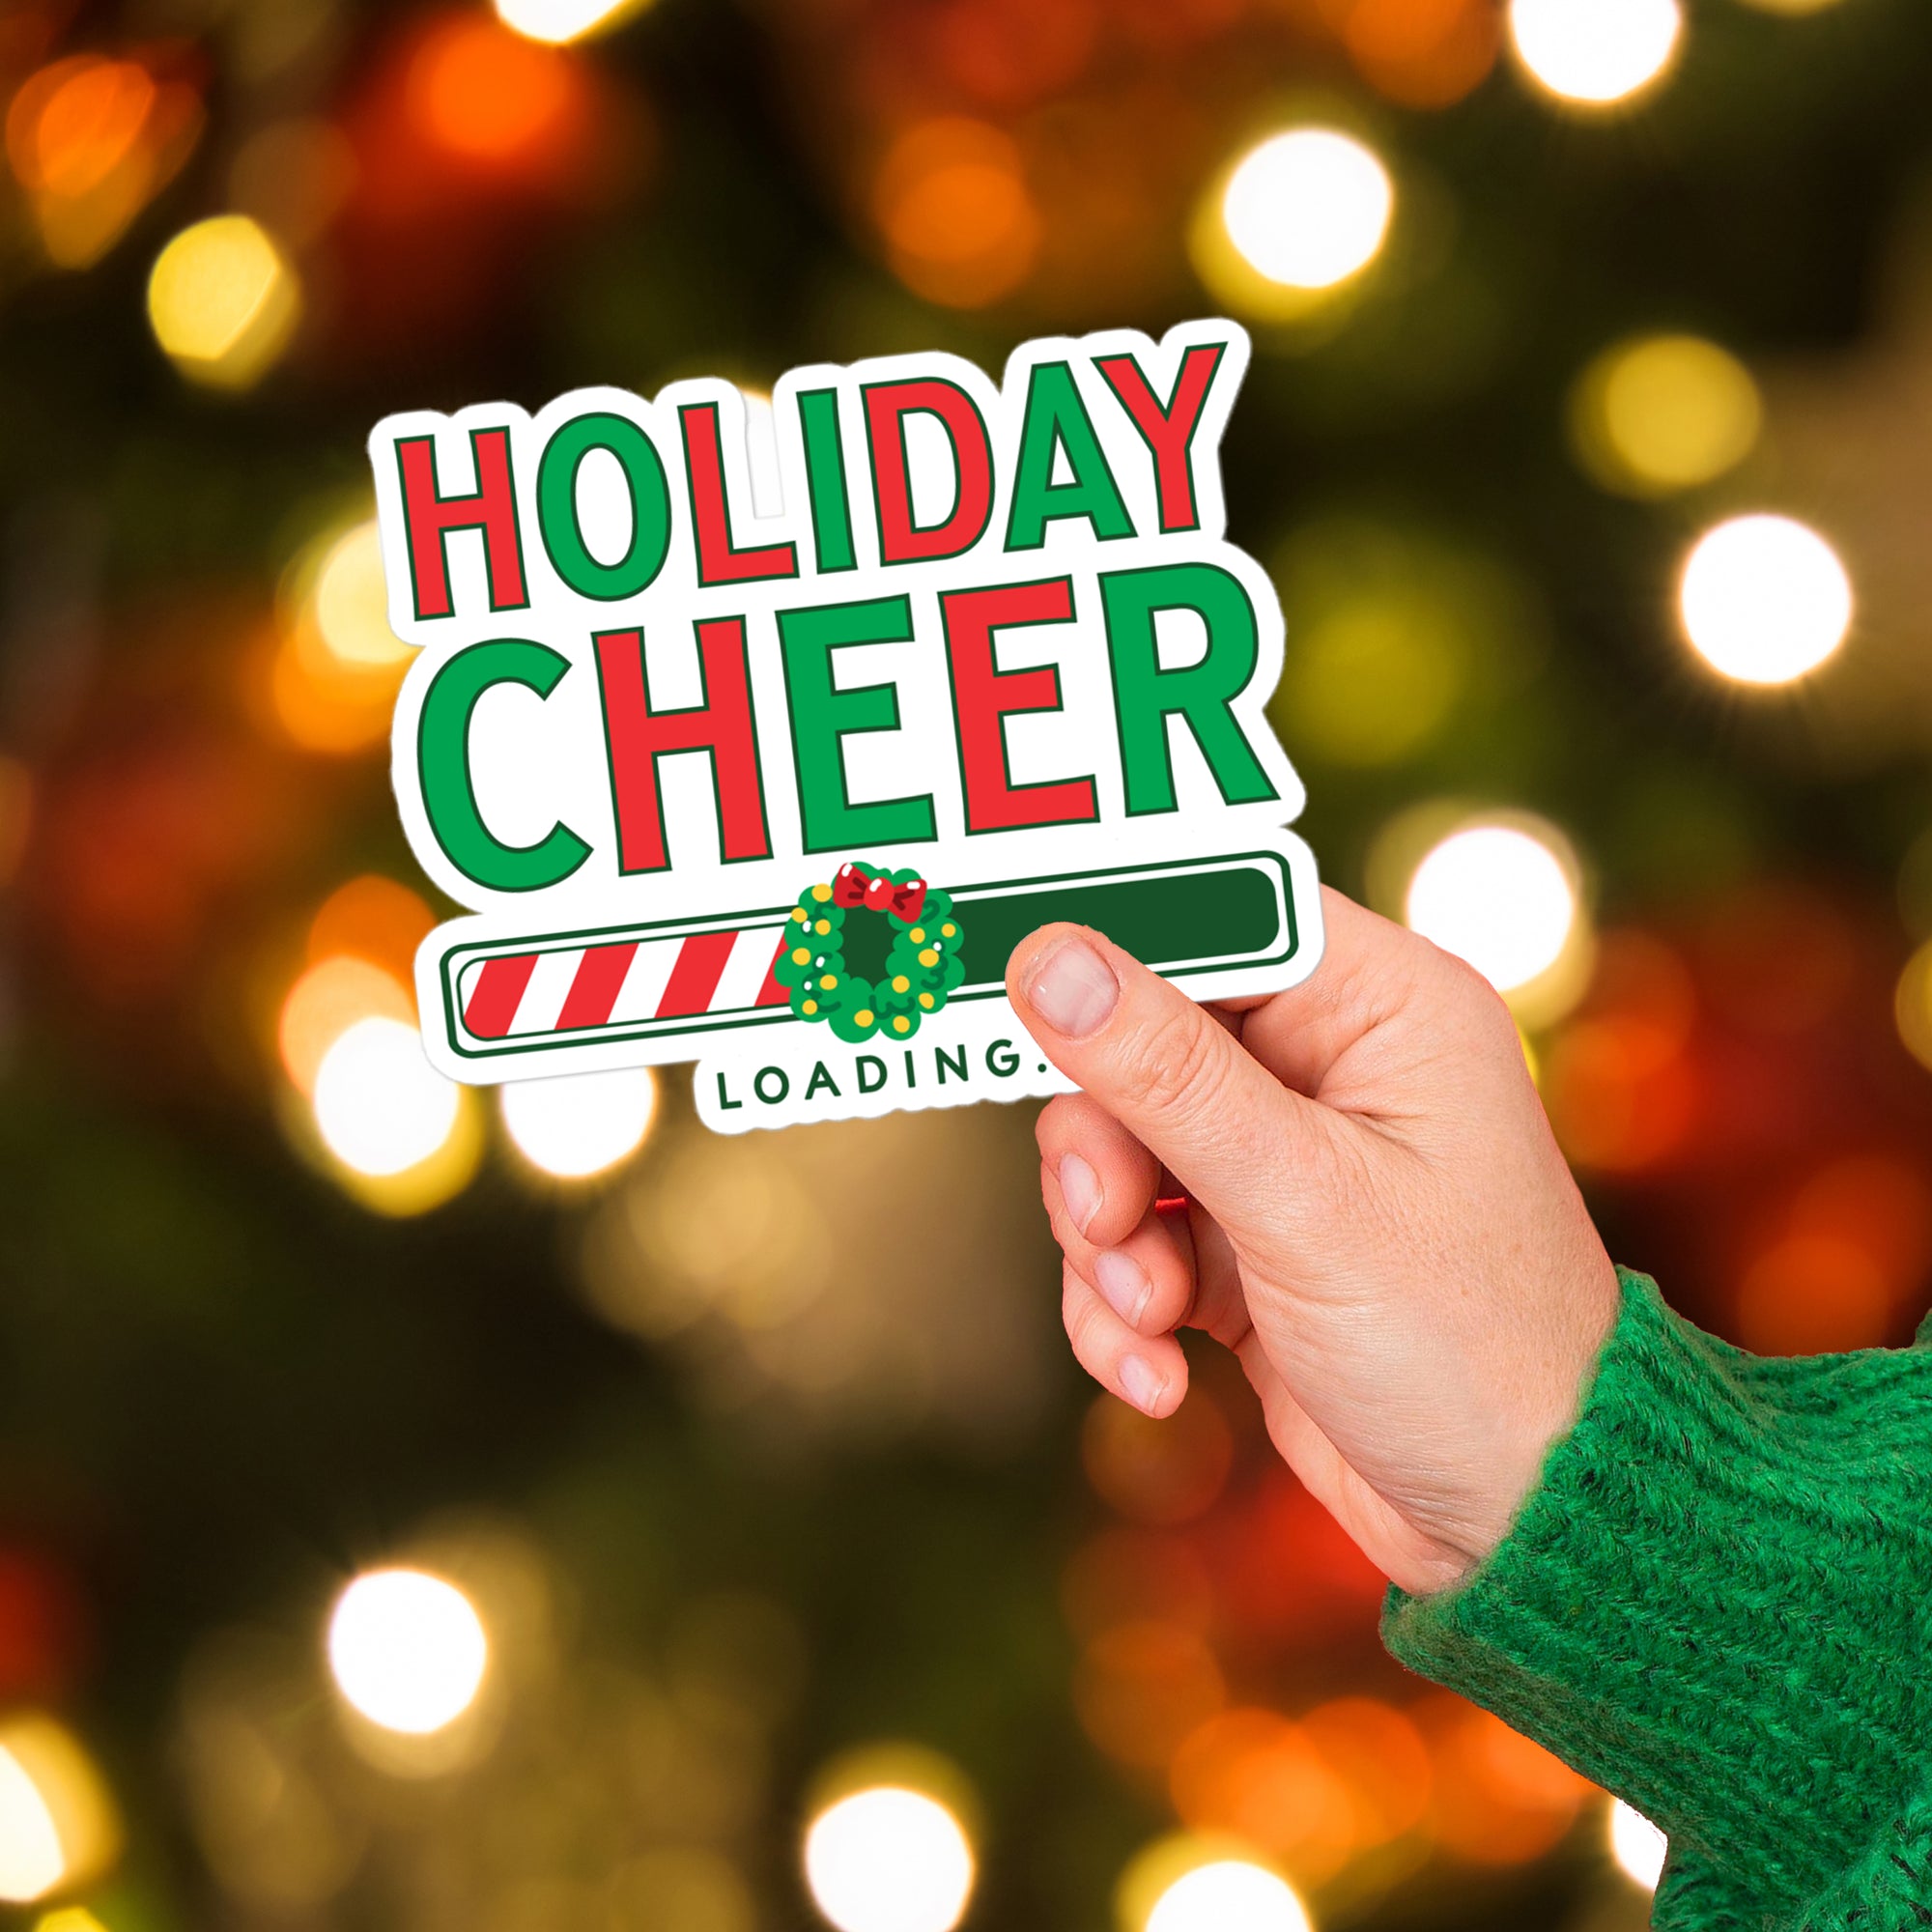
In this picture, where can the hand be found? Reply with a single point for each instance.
(1378, 1222)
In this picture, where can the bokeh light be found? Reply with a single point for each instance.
(1764, 599)
(1229, 1895)
(1496, 1798)
(1912, 1004)
(952, 204)
(1502, 897)
(58, 1827)
(574, 1125)
(69, 1919)
(1637, 1846)
(1595, 53)
(379, 1105)
(223, 301)
(556, 21)
(1791, 7)
(493, 97)
(1159, 1472)
(1141, 1687)
(1660, 413)
(351, 601)
(371, 918)
(407, 1650)
(888, 1860)
(1308, 208)
(92, 140)
(331, 997)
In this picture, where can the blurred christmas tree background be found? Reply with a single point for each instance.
(740, 1484)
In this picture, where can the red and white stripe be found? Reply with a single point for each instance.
(608, 986)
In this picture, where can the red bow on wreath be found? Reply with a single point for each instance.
(855, 886)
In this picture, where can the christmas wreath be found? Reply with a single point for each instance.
(871, 953)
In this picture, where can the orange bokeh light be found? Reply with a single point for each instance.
(952, 202)
(326, 1001)
(1813, 1294)
(1424, 53)
(325, 704)
(1496, 1798)
(488, 94)
(1141, 1687)
(1159, 1472)
(92, 140)
(374, 919)
(1254, 1773)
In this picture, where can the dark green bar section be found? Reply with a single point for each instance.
(1159, 921)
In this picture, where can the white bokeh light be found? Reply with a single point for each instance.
(576, 1124)
(1764, 599)
(379, 1103)
(1499, 896)
(1595, 51)
(555, 22)
(888, 1860)
(1638, 1847)
(407, 1650)
(32, 1863)
(1309, 207)
(1229, 1895)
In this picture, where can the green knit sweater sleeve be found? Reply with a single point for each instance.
(1717, 1604)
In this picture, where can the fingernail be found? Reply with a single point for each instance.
(1074, 989)
(1141, 1385)
(1124, 1283)
(1080, 1189)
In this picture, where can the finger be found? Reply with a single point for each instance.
(1147, 1278)
(1170, 1073)
(1108, 1178)
(1148, 1371)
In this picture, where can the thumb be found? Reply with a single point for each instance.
(1165, 1068)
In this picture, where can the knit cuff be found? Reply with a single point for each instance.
(1714, 1601)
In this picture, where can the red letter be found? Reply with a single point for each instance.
(1169, 432)
(886, 407)
(984, 696)
(639, 737)
(431, 516)
(718, 560)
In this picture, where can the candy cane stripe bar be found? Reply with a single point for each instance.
(568, 989)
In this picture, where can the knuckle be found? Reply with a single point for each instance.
(1173, 1063)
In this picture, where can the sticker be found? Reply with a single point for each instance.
(758, 737)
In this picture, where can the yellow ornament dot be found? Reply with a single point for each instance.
(821, 893)
(865, 1017)
(827, 984)
(800, 913)
(926, 1000)
(948, 930)
(919, 935)
(901, 1024)
(801, 955)
(929, 957)
(823, 925)
(900, 983)
(810, 1007)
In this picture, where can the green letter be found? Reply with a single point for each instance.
(825, 478)
(822, 715)
(443, 754)
(1056, 419)
(1147, 697)
(650, 506)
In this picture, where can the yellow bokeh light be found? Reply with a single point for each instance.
(888, 1859)
(557, 21)
(575, 1125)
(223, 301)
(351, 601)
(1764, 599)
(1637, 1846)
(1594, 53)
(1229, 1895)
(1911, 1006)
(1663, 413)
(69, 1919)
(57, 1824)
(407, 1650)
(1791, 7)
